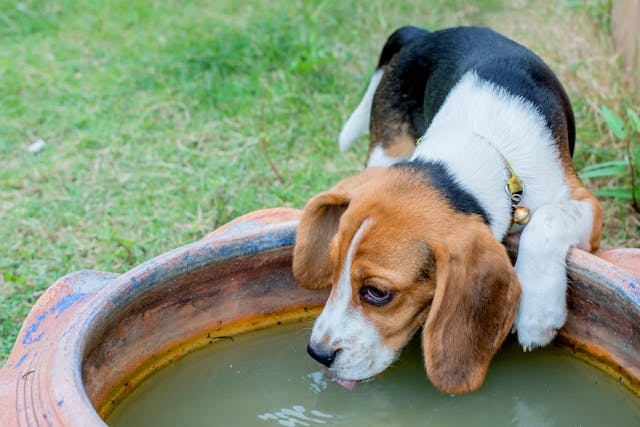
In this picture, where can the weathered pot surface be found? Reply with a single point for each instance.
(93, 336)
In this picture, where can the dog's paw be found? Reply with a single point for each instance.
(538, 327)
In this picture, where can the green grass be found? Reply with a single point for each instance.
(164, 120)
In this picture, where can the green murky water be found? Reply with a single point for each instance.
(266, 379)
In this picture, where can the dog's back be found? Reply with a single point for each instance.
(421, 68)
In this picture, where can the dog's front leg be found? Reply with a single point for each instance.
(541, 268)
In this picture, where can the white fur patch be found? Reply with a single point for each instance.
(344, 328)
(379, 158)
(479, 123)
(541, 268)
(477, 111)
(358, 123)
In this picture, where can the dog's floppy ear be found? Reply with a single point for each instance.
(319, 223)
(475, 303)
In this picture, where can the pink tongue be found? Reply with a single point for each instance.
(348, 384)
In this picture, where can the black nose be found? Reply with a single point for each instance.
(321, 355)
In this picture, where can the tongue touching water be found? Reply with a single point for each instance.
(266, 379)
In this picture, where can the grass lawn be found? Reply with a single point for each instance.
(164, 119)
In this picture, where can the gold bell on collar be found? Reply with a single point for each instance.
(515, 189)
(521, 215)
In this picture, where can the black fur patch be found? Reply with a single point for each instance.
(426, 271)
(424, 66)
(397, 41)
(438, 176)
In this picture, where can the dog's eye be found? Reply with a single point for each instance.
(375, 296)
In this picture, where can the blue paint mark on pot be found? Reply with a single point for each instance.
(21, 361)
(65, 303)
(30, 336)
(33, 333)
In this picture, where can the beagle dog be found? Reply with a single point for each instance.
(471, 137)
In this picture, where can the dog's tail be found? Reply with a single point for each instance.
(358, 122)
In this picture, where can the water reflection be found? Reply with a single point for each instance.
(267, 379)
(296, 417)
(526, 415)
(317, 381)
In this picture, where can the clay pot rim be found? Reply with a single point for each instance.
(85, 297)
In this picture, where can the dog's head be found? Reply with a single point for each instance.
(399, 256)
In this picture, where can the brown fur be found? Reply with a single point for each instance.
(445, 268)
(580, 192)
(389, 129)
(578, 189)
(318, 225)
(473, 309)
(395, 139)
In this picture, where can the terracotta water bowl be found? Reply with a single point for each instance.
(93, 336)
